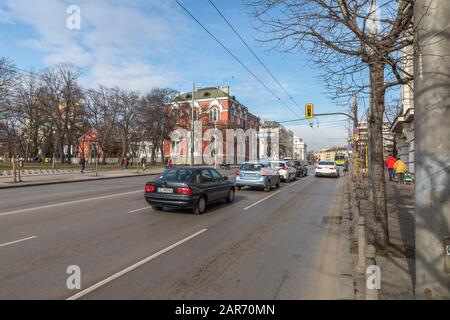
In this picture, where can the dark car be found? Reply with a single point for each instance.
(299, 166)
(189, 187)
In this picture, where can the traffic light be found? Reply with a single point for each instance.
(309, 111)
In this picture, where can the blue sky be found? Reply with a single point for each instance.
(142, 44)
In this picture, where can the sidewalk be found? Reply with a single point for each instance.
(6, 182)
(397, 262)
(27, 181)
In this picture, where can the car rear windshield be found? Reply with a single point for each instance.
(326, 163)
(276, 164)
(252, 167)
(176, 175)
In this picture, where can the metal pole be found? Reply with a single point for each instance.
(14, 169)
(432, 147)
(96, 159)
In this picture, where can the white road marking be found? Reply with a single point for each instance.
(17, 241)
(259, 201)
(69, 203)
(137, 210)
(263, 199)
(134, 266)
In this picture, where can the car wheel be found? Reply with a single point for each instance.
(230, 196)
(157, 208)
(278, 184)
(267, 187)
(200, 206)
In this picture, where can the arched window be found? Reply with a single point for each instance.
(196, 114)
(214, 115)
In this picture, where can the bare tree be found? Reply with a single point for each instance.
(350, 40)
(156, 119)
(128, 104)
(102, 108)
(61, 96)
(28, 112)
(8, 125)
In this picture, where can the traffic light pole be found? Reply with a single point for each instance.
(321, 114)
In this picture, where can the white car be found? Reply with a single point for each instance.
(287, 173)
(327, 168)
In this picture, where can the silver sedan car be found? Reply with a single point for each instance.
(257, 174)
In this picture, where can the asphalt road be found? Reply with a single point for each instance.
(275, 245)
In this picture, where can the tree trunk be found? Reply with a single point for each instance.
(376, 168)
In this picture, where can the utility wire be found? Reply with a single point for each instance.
(236, 58)
(254, 54)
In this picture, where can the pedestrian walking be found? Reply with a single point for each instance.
(144, 162)
(169, 163)
(165, 162)
(125, 163)
(400, 169)
(390, 162)
(82, 164)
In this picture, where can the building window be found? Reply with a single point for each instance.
(196, 114)
(214, 115)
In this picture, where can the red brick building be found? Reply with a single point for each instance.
(216, 108)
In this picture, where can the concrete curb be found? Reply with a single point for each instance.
(43, 183)
(346, 282)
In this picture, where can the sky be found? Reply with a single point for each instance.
(141, 44)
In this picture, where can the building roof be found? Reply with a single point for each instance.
(203, 93)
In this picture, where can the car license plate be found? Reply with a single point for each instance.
(165, 190)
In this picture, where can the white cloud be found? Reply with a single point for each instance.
(323, 137)
(133, 75)
(119, 42)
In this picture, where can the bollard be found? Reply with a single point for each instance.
(361, 268)
(373, 274)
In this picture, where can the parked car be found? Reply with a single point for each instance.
(298, 165)
(257, 174)
(287, 173)
(189, 187)
(327, 168)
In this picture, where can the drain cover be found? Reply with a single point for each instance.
(332, 219)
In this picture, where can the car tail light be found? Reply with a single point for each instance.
(149, 189)
(183, 190)
(263, 173)
(238, 173)
(333, 168)
(319, 168)
(284, 168)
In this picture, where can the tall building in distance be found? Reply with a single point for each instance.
(300, 149)
(275, 141)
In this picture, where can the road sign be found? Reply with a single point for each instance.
(356, 137)
(309, 111)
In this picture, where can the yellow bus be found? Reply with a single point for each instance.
(340, 159)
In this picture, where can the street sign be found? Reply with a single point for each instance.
(356, 137)
(309, 111)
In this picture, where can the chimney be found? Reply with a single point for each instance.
(226, 89)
